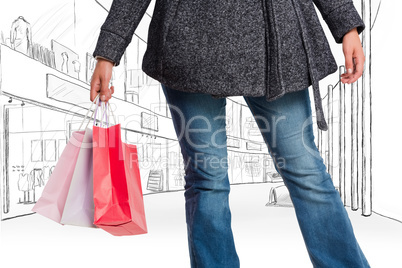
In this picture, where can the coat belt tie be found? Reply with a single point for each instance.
(321, 122)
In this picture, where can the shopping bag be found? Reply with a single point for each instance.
(118, 199)
(52, 201)
(79, 206)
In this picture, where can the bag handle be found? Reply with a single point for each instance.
(105, 111)
(94, 111)
(104, 114)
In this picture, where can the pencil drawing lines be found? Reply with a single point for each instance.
(367, 114)
(155, 181)
(252, 146)
(38, 122)
(252, 127)
(354, 147)
(233, 142)
(274, 177)
(21, 36)
(55, 57)
(376, 15)
(346, 137)
(279, 197)
(149, 121)
(67, 61)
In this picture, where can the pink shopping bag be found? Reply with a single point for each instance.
(51, 203)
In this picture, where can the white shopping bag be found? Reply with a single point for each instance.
(79, 207)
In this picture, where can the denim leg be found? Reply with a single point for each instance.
(287, 127)
(200, 125)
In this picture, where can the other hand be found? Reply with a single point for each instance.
(100, 80)
(354, 57)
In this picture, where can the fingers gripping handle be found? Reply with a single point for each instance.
(105, 111)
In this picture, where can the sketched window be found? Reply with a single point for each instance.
(62, 144)
(36, 151)
(149, 121)
(50, 150)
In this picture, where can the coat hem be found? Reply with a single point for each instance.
(161, 79)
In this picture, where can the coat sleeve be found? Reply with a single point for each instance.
(118, 29)
(341, 16)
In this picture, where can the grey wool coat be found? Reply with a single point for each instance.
(233, 47)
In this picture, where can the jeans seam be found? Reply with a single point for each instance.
(191, 213)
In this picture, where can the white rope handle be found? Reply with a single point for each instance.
(104, 114)
(106, 111)
(94, 112)
(86, 115)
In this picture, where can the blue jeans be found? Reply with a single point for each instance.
(287, 128)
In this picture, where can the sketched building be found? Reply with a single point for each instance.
(41, 108)
(347, 146)
(21, 36)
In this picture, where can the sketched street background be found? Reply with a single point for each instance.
(46, 65)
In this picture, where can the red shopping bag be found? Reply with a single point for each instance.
(118, 199)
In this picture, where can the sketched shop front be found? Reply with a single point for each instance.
(40, 111)
(34, 129)
(34, 138)
(39, 114)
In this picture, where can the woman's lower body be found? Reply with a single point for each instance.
(287, 128)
